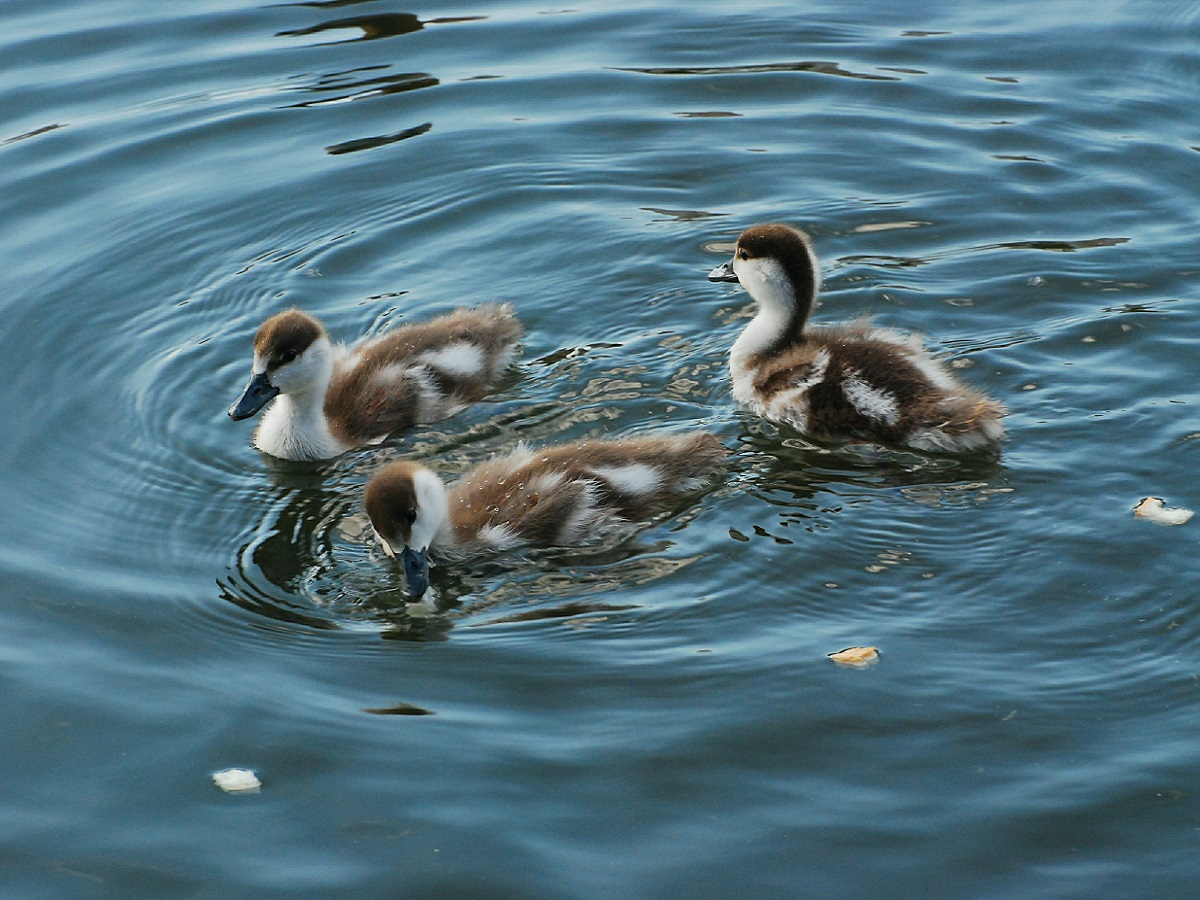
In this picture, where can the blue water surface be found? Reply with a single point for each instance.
(654, 716)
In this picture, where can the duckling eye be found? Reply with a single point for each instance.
(409, 516)
(742, 254)
(287, 356)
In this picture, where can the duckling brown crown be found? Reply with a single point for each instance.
(391, 502)
(789, 247)
(285, 336)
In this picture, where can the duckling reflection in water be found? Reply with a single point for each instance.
(329, 398)
(534, 498)
(841, 382)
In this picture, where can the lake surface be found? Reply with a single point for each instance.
(654, 716)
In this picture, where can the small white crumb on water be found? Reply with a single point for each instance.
(1152, 509)
(237, 781)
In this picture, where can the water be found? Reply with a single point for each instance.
(654, 716)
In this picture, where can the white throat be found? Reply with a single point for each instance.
(432, 525)
(767, 282)
(294, 426)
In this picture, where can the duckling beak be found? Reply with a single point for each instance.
(253, 398)
(416, 571)
(724, 272)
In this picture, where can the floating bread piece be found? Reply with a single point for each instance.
(856, 656)
(237, 781)
(1152, 509)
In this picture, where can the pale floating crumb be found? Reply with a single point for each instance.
(1088, 339)
(856, 656)
(237, 781)
(875, 568)
(1152, 509)
(961, 364)
(1029, 387)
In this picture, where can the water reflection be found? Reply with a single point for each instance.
(326, 4)
(380, 140)
(34, 133)
(274, 569)
(564, 611)
(810, 484)
(373, 27)
(347, 86)
(682, 215)
(362, 82)
(398, 709)
(818, 67)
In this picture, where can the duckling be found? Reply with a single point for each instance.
(330, 398)
(841, 382)
(536, 498)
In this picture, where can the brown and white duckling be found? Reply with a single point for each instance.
(330, 398)
(840, 382)
(535, 498)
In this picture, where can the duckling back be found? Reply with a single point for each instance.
(420, 373)
(559, 495)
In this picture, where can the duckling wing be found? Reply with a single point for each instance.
(517, 500)
(460, 354)
(634, 475)
(366, 404)
(421, 373)
(561, 495)
(895, 391)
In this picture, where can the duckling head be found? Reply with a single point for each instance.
(292, 355)
(408, 505)
(777, 266)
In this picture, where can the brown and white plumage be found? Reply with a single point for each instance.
(539, 498)
(843, 382)
(330, 398)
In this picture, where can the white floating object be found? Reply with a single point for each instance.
(1153, 510)
(237, 781)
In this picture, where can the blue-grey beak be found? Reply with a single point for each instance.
(724, 272)
(253, 398)
(416, 571)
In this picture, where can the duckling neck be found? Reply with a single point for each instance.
(295, 425)
(779, 323)
(295, 428)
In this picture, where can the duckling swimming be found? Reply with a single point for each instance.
(537, 498)
(852, 381)
(330, 398)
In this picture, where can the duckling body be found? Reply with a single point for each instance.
(852, 381)
(329, 398)
(537, 498)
